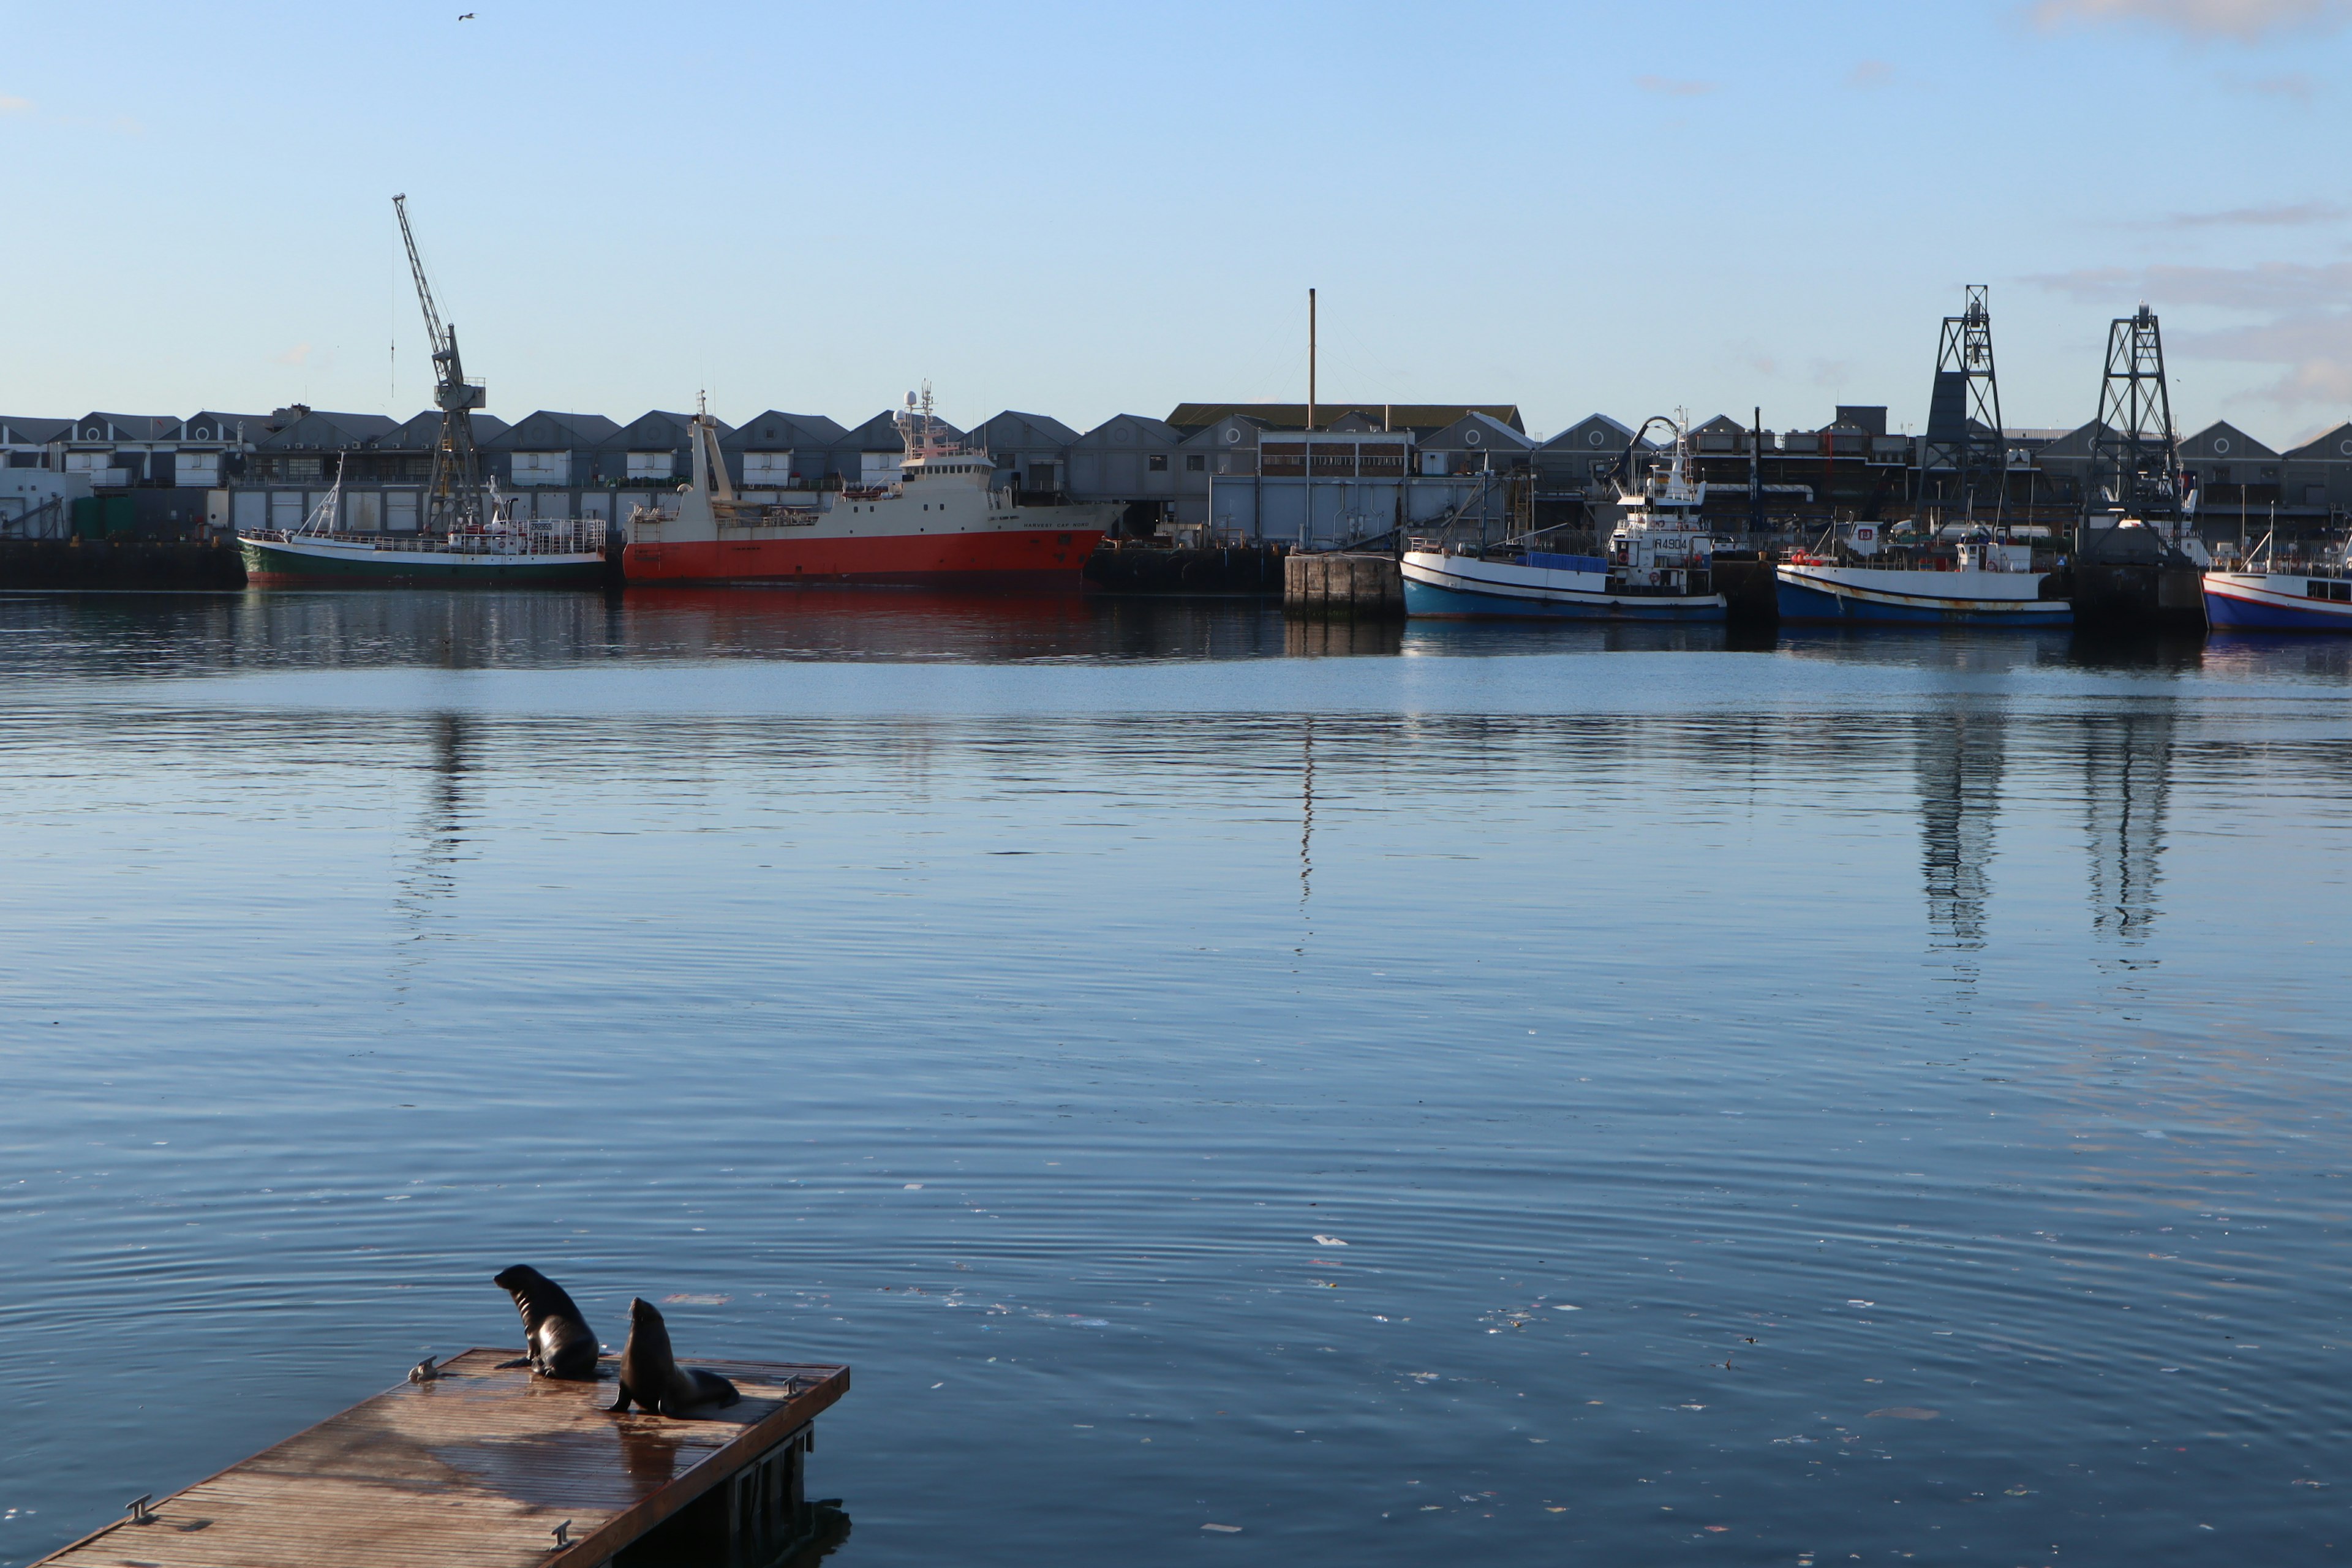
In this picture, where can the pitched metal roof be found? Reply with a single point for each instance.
(776, 431)
(324, 430)
(880, 434)
(2223, 441)
(1152, 429)
(123, 427)
(2333, 444)
(1046, 425)
(658, 429)
(1483, 432)
(1399, 416)
(221, 425)
(564, 429)
(421, 433)
(1578, 437)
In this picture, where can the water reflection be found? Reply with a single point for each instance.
(1957, 761)
(1306, 819)
(428, 881)
(2126, 783)
(147, 635)
(1344, 639)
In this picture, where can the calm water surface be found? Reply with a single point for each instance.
(1843, 1099)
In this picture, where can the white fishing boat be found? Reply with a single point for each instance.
(1659, 564)
(1992, 582)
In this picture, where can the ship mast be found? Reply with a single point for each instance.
(453, 502)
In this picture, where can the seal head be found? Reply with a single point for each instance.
(561, 1342)
(651, 1377)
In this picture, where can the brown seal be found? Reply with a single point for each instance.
(561, 1342)
(650, 1373)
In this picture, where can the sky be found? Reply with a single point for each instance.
(1082, 210)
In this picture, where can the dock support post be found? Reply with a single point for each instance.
(1361, 587)
(754, 1516)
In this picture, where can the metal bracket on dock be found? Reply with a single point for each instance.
(138, 1509)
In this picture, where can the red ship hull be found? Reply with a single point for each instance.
(1026, 558)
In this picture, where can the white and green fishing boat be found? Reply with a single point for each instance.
(471, 534)
(500, 551)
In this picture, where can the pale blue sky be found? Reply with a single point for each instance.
(1080, 209)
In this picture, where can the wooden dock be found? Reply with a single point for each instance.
(479, 1468)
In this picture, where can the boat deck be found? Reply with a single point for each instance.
(476, 1469)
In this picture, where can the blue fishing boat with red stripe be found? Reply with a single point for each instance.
(2279, 601)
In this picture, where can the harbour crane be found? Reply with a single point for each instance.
(453, 502)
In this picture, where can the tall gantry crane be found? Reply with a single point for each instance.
(2136, 451)
(454, 500)
(1964, 435)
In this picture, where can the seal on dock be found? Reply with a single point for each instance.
(651, 1377)
(561, 1342)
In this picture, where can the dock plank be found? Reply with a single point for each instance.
(472, 1470)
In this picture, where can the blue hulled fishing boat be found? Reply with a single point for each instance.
(1659, 564)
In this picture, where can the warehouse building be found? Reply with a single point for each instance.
(1241, 471)
(775, 450)
(1225, 470)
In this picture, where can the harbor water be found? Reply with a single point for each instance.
(1233, 1092)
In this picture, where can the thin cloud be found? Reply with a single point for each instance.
(2295, 85)
(2303, 326)
(2272, 286)
(1870, 73)
(1670, 87)
(2278, 215)
(2311, 350)
(2247, 21)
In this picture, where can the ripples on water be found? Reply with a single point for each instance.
(1697, 1048)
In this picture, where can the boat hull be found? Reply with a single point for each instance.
(271, 563)
(1005, 558)
(2267, 602)
(1459, 589)
(1836, 596)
